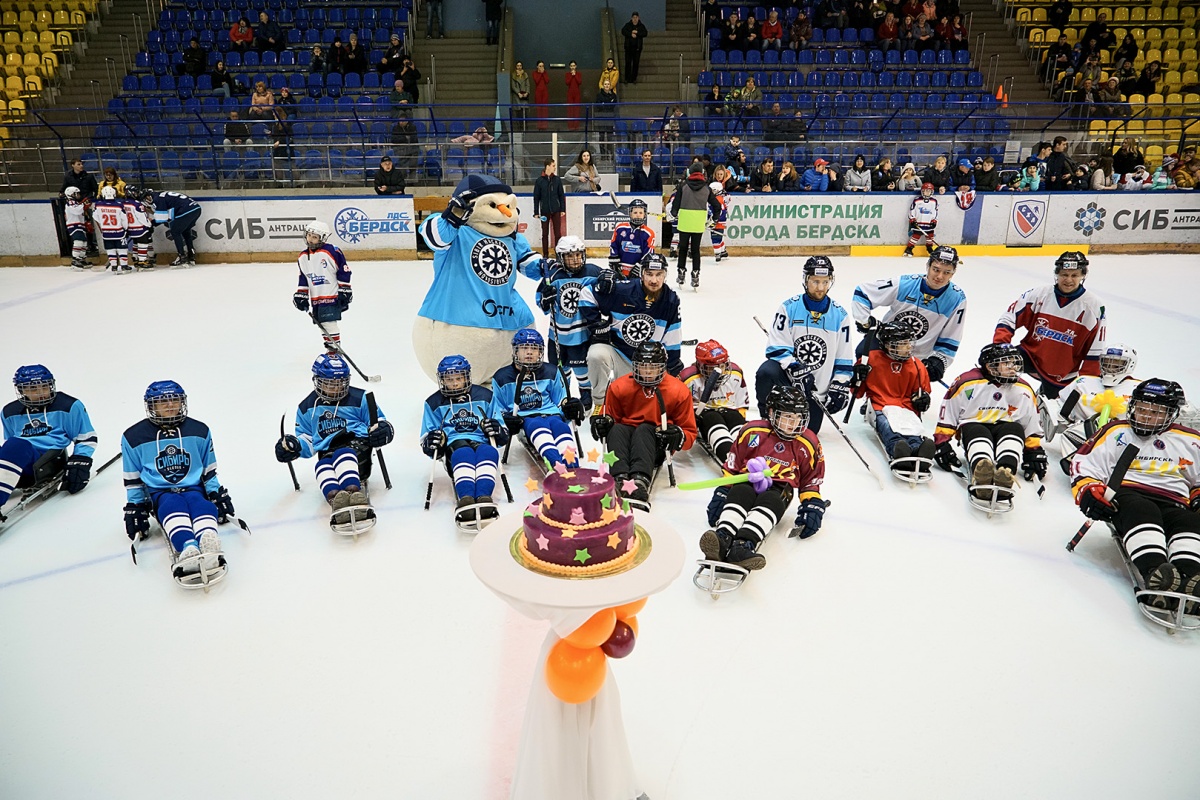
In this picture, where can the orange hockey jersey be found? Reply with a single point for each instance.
(628, 403)
(893, 383)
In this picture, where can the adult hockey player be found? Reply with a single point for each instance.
(171, 472)
(1155, 508)
(108, 214)
(719, 397)
(333, 423)
(1064, 327)
(930, 305)
(808, 345)
(642, 310)
(743, 514)
(462, 420)
(180, 214)
(140, 229)
(38, 427)
(532, 399)
(692, 207)
(564, 284)
(324, 283)
(633, 426)
(75, 213)
(922, 220)
(993, 412)
(897, 385)
(631, 241)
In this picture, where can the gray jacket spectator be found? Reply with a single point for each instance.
(858, 177)
(647, 177)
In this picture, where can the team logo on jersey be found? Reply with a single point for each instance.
(492, 262)
(754, 440)
(1042, 330)
(915, 322)
(779, 447)
(568, 297)
(1027, 217)
(1159, 444)
(637, 328)
(353, 225)
(35, 427)
(464, 421)
(530, 399)
(811, 351)
(997, 396)
(173, 463)
(330, 424)
(1090, 219)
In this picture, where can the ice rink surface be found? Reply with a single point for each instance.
(912, 649)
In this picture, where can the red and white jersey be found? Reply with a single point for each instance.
(1064, 336)
(973, 398)
(1167, 465)
(322, 272)
(730, 391)
(1093, 397)
(923, 211)
(798, 462)
(721, 219)
(110, 219)
(136, 218)
(75, 213)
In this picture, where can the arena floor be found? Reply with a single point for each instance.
(912, 649)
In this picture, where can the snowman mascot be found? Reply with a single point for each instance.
(473, 308)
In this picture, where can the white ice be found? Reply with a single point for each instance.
(912, 649)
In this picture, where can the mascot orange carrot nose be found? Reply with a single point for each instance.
(504, 209)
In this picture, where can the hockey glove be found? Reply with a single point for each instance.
(1034, 462)
(224, 503)
(380, 434)
(434, 443)
(935, 367)
(809, 516)
(547, 296)
(287, 449)
(345, 296)
(920, 401)
(607, 278)
(79, 471)
(716, 504)
(494, 430)
(670, 438)
(137, 519)
(945, 457)
(800, 377)
(861, 371)
(513, 423)
(1094, 504)
(601, 425)
(300, 301)
(837, 397)
(867, 326)
(461, 206)
(573, 410)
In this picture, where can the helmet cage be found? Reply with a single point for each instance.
(1004, 368)
(461, 379)
(331, 388)
(532, 353)
(166, 417)
(649, 373)
(36, 392)
(1116, 364)
(1149, 418)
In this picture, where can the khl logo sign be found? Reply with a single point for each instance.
(353, 225)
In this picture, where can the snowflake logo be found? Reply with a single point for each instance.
(345, 230)
(1089, 220)
(568, 298)
(916, 324)
(492, 262)
(811, 351)
(637, 328)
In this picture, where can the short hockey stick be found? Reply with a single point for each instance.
(1124, 461)
(503, 478)
(562, 373)
(516, 396)
(341, 352)
(291, 469)
(662, 407)
(432, 472)
(373, 414)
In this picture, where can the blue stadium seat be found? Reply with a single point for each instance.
(841, 57)
(927, 58)
(805, 57)
(939, 80)
(910, 58)
(788, 58)
(753, 57)
(892, 58)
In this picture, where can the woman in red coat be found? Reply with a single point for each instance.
(541, 93)
(573, 80)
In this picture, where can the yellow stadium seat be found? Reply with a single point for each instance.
(12, 87)
(1073, 16)
(1087, 14)
(33, 85)
(62, 18)
(1097, 129)
(13, 59)
(64, 39)
(1135, 127)
(1114, 125)
(1170, 14)
(1137, 14)
(9, 19)
(49, 65)
(1189, 78)
(31, 62)
(1023, 15)
(1187, 14)
(1170, 37)
(44, 17)
(26, 18)
(16, 109)
(1154, 155)
(1170, 56)
(78, 18)
(1187, 37)
(1153, 54)
(1154, 14)
(1072, 35)
(1121, 15)
(1153, 36)
(1039, 15)
(29, 37)
(1137, 99)
(1154, 128)
(1172, 129)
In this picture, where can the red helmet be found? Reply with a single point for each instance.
(711, 354)
(927, 189)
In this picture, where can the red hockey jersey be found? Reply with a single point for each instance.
(893, 383)
(628, 403)
(1063, 336)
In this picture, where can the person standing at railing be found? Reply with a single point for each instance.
(541, 93)
(518, 89)
(550, 206)
(412, 79)
(634, 34)
(574, 95)
(610, 73)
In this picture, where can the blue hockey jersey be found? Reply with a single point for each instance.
(636, 319)
(473, 277)
(319, 421)
(566, 320)
(815, 334)
(169, 205)
(541, 393)
(52, 427)
(156, 460)
(630, 244)
(460, 420)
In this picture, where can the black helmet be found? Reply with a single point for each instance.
(649, 363)
(1157, 403)
(993, 357)
(818, 265)
(943, 254)
(892, 336)
(787, 400)
(653, 261)
(1072, 259)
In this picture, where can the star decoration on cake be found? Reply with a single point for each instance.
(528, 512)
(628, 486)
(610, 458)
(609, 515)
(625, 506)
(577, 517)
(547, 501)
(574, 488)
(531, 485)
(569, 533)
(560, 468)
(568, 474)
(614, 540)
(569, 456)
(593, 455)
(598, 479)
(582, 556)
(543, 542)
(631, 542)
(606, 501)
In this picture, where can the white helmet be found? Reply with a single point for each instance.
(1117, 362)
(717, 188)
(109, 193)
(71, 192)
(567, 246)
(318, 229)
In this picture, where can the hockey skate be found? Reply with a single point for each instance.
(908, 252)
(680, 277)
(717, 576)
(198, 567)
(984, 490)
(352, 513)
(80, 264)
(695, 280)
(472, 514)
(1175, 609)
(180, 261)
(721, 256)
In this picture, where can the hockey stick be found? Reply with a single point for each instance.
(503, 478)
(432, 471)
(338, 347)
(1124, 461)
(373, 414)
(516, 395)
(48, 489)
(662, 407)
(868, 343)
(291, 469)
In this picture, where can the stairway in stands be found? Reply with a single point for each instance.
(77, 92)
(466, 66)
(1000, 41)
(658, 75)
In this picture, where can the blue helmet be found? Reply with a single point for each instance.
(526, 338)
(29, 381)
(160, 394)
(331, 377)
(454, 367)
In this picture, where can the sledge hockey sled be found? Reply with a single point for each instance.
(48, 473)
(905, 423)
(717, 577)
(1176, 611)
(353, 520)
(996, 499)
(534, 455)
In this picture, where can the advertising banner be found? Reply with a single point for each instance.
(806, 220)
(262, 224)
(1119, 217)
(1027, 221)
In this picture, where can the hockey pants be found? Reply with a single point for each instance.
(22, 464)
(118, 252)
(718, 426)
(636, 448)
(889, 437)
(326, 316)
(718, 241)
(550, 436)
(770, 374)
(689, 245)
(915, 232)
(749, 515)
(605, 364)
(183, 231)
(1000, 442)
(1155, 530)
(474, 468)
(337, 470)
(185, 515)
(79, 243)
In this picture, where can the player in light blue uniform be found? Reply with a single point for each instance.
(171, 471)
(566, 283)
(463, 420)
(531, 396)
(38, 427)
(180, 214)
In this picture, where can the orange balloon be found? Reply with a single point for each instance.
(629, 609)
(633, 623)
(595, 631)
(575, 674)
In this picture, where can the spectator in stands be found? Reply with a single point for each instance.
(797, 128)
(712, 15)
(930, 9)
(1110, 102)
(195, 59)
(493, 13)
(583, 176)
(611, 74)
(909, 181)
(765, 178)
(676, 128)
(1136, 180)
(1084, 100)
(887, 35)
(1080, 179)
(647, 177)
(286, 98)
(550, 206)
(1128, 156)
(388, 179)
(541, 93)
(908, 33)
(604, 110)
(281, 135)
(1161, 179)
(753, 40)
(740, 170)
(923, 35)
(987, 177)
(752, 99)
(877, 12)
(318, 65)
(1099, 31)
(81, 179)
(789, 181)
(1127, 78)
(433, 9)
(356, 57)
(1030, 180)
(1147, 82)
(268, 35)
(1040, 155)
(262, 101)
(771, 32)
(411, 77)
(963, 175)
(634, 33)
(938, 175)
(518, 89)
(836, 182)
(800, 32)
(237, 132)
(398, 97)
(574, 94)
(1059, 13)
(775, 125)
(714, 102)
(1059, 167)
(404, 140)
(858, 177)
(833, 13)
(955, 34)
(241, 35)
(733, 148)
(222, 80)
(1127, 52)
(335, 59)
(1058, 60)
(816, 177)
(393, 57)
(860, 17)
(111, 178)
(882, 179)
(733, 36)
(910, 8)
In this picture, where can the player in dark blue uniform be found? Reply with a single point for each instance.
(180, 214)
(532, 398)
(38, 427)
(631, 241)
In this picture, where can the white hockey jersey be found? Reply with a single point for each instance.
(321, 273)
(1063, 340)
(1167, 465)
(817, 340)
(75, 214)
(924, 212)
(973, 398)
(1093, 398)
(136, 218)
(730, 391)
(109, 216)
(936, 320)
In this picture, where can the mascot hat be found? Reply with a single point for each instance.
(482, 184)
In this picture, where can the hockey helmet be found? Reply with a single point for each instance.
(896, 340)
(945, 255)
(72, 193)
(1117, 362)
(527, 348)
(571, 253)
(331, 377)
(649, 363)
(35, 386)
(108, 192)
(166, 404)
(318, 229)
(133, 192)
(711, 355)
(1001, 362)
(638, 205)
(818, 267)
(717, 188)
(1072, 259)
(926, 190)
(454, 376)
(652, 262)
(1154, 406)
(787, 411)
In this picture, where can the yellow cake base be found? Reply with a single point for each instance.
(626, 561)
